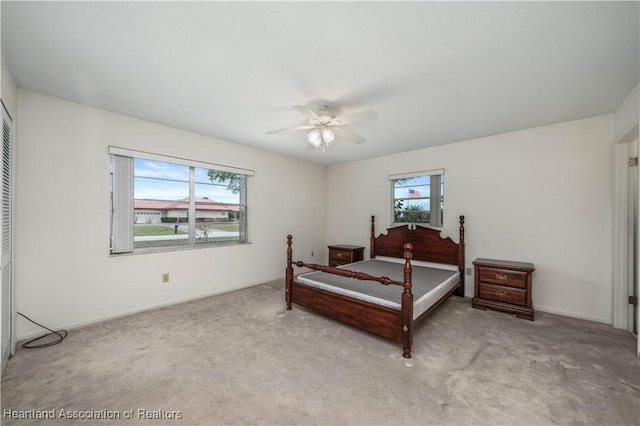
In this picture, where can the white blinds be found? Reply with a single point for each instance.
(435, 195)
(177, 160)
(122, 232)
(416, 174)
(6, 187)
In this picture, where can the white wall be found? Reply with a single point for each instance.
(627, 113)
(65, 275)
(540, 195)
(626, 118)
(8, 91)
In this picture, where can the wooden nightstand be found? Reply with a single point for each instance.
(343, 254)
(503, 285)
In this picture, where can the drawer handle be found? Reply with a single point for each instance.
(338, 254)
(501, 293)
(501, 277)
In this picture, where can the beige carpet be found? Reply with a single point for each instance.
(240, 358)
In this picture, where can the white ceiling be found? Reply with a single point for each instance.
(435, 72)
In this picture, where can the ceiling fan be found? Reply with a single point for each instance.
(325, 127)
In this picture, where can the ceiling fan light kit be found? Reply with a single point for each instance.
(321, 135)
(327, 135)
(324, 127)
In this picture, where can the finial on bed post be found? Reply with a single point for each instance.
(372, 240)
(461, 261)
(407, 304)
(408, 255)
(288, 274)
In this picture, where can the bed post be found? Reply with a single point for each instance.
(461, 262)
(407, 304)
(372, 240)
(288, 275)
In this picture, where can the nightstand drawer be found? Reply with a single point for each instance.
(499, 293)
(340, 255)
(502, 277)
(504, 285)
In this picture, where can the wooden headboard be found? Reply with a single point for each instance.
(427, 243)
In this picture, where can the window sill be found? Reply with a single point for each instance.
(424, 225)
(180, 248)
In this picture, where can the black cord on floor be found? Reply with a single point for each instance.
(28, 345)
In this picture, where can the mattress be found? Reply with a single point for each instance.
(429, 284)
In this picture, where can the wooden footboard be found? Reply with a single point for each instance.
(396, 325)
(386, 322)
(380, 320)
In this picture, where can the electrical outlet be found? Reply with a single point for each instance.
(467, 271)
(165, 277)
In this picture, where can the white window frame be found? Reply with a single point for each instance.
(435, 194)
(122, 201)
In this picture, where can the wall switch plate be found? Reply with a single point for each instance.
(165, 277)
(311, 253)
(467, 271)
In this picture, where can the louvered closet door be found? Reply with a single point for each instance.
(5, 240)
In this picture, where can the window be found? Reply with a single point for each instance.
(161, 203)
(418, 197)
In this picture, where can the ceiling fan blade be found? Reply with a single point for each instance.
(291, 129)
(355, 118)
(307, 112)
(348, 135)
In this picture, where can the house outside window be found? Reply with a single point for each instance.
(418, 197)
(164, 203)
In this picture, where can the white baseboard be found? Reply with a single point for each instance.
(563, 313)
(573, 315)
(215, 293)
(71, 326)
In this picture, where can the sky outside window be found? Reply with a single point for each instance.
(156, 180)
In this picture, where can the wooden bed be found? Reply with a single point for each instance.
(406, 242)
